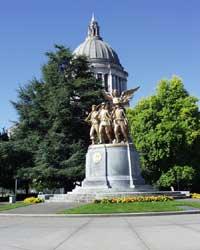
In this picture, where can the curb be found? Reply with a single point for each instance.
(104, 215)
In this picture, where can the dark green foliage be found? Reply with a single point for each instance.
(166, 129)
(51, 120)
(180, 177)
(3, 135)
(12, 158)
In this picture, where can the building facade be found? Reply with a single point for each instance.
(104, 61)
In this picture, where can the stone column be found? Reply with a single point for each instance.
(120, 85)
(105, 76)
(110, 80)
(113, 82)
(103, 80)
(117, 84)
(123, 84)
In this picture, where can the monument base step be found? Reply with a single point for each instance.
(84, 195)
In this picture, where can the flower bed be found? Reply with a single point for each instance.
(33, 200)
(195, 196)
(134, 199)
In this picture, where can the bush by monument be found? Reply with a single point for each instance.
(178, 177)
(166, 131)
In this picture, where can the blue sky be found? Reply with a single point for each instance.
(154, 40)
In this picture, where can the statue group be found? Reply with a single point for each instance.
(108, 121)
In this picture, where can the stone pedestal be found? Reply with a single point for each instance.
(113, 166)
(112, 170)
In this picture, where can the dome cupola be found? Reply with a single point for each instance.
(95, 48)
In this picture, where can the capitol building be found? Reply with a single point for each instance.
(104, 61)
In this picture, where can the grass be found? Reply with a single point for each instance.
(135, 207)
(4, 207)
(194, 204)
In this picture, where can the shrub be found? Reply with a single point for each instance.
(33, 200)
(134, 199)
(4, 199)
(180, 177)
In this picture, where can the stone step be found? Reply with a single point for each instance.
(91, 196)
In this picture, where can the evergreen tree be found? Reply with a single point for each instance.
(3, 135)
(51, 120)
(12, 158)
(166, 129)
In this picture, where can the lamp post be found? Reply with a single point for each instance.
(12, 198)
(16, 187)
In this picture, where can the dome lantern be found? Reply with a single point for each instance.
(93, 28)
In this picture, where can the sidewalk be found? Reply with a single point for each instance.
(131, 233)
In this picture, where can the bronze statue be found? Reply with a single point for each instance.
(105, 127)
(120, 124)
(122, 99)
(103, 123)
(94, 120)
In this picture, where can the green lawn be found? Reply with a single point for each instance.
(12, 206)
(135, 207)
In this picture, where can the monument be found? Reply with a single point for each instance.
(112, 163)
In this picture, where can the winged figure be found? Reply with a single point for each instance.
(122, 99)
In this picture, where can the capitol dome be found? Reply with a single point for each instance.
(96, 49)
(104, 61)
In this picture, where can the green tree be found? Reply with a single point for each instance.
(3, 135)
(166, 129)
(180, 177)
(12, 158)
(51, 124)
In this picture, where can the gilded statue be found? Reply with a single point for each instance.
(105, 126)
(120, 124)
(93, 119)
(122, 99)
(119, 120)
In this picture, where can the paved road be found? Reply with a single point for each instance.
(42, 208)
(175, 232)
